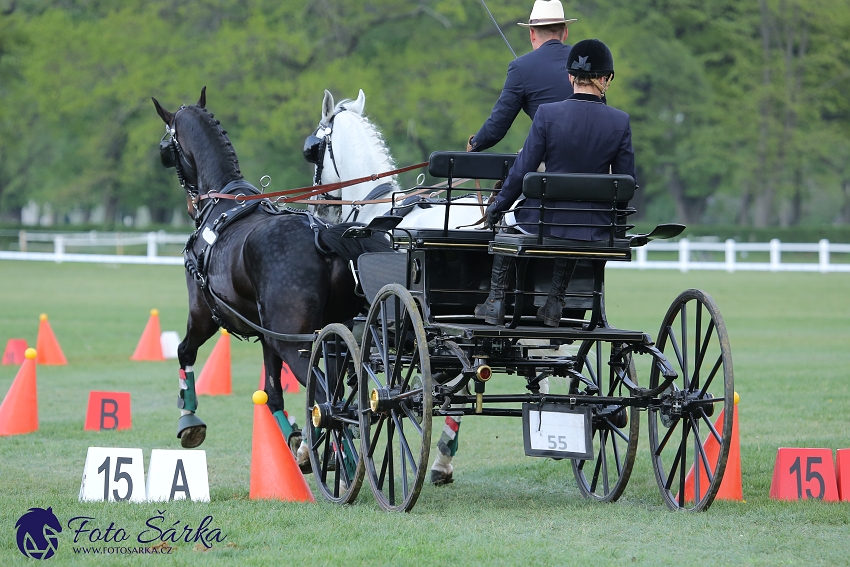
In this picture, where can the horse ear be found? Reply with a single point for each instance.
(358, 105)
(327, 106)
(202, 102)
(166, 116)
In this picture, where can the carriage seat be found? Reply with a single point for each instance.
(613, 191)
(454, 165)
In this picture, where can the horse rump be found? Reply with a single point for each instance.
(351, 248)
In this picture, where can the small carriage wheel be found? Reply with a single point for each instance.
(333, 425)
(615, 427)
(688, 445)
(396, 399)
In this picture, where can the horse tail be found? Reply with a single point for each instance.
(351, 248)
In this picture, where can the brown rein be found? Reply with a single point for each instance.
(307, 192)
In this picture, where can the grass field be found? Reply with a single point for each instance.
(790, 335)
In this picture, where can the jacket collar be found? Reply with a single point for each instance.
(585, 97)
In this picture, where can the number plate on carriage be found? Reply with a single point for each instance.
(555, 430)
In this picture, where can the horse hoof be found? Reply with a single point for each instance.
(439, 478)
(191, 431)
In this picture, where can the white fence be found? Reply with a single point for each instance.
(817, 257)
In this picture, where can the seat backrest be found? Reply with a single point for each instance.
(578, 187)
(470, 164)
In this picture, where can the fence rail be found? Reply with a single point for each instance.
(688, 254)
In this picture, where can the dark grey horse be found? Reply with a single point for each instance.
(266, 267)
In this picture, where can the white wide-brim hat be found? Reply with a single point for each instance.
(546, 13)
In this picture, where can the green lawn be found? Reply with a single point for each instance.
(789, 333)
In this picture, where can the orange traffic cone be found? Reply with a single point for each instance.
(288, 381)
(47, 347)
(274, 472)
(214, 379)
(14, 353)
(150, 347)
(731, 486)
(19, 410)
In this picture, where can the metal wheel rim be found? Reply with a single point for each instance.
(406, 432)
(698, 367)
(334, 449)
(608, 441)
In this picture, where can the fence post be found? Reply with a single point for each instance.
(152, 251)
(775, 255)
(823, 255)
(730, 255)
(641, 258)
(22, 241)
(59, 247)
(684, 254)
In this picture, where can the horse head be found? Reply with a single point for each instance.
(198, 148)
(346, 145)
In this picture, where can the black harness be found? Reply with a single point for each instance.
(317, 143)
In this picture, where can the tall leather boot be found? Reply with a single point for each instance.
(493, 310)
(551, 311)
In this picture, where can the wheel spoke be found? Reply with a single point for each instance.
(683, 451)
(374, 442)
(666, 438)
(373, 376)
(404, 451)
(410, 415)
(676, 349)
(711, 375)
(685, 375)
(320, 378)
(714, 432)
(701, 354)
(702, 454)
(616, 430)
(602, 438)
(397, 366)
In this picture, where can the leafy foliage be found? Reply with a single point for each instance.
(738, 109)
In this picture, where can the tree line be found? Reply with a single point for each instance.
(739, 110)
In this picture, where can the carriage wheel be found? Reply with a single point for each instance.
(333, 423)
(396, 397)
(689, 447)
(615, 427)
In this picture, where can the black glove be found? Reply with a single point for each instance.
(493, 214)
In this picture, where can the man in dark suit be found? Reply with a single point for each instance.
(536, 78)
(578, 135)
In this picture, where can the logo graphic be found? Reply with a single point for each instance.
(38, 533)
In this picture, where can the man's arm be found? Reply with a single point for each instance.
(503, 114)
(529, 159)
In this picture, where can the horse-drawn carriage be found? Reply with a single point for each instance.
(422, 355)
(279, 275)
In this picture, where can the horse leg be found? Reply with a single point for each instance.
(442, 469)
(191, 430)
(274, 389)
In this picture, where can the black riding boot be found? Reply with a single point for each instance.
(550, 312)
(493, 310)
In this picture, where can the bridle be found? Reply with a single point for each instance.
(171, 154)
(318, 143)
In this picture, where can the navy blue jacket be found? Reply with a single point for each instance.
(578, 135)
(536, 78)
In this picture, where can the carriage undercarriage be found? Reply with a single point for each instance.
(372, 400)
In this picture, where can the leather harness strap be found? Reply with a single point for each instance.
(308, 192)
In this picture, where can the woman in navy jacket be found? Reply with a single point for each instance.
(579, 135)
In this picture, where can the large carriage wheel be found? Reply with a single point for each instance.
(615, 427)
(332, 419)
(396, 399)
(689, 447)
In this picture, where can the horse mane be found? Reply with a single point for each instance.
(207, 125)
(372, 130)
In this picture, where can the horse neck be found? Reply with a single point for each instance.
(215, 160)
(359, 152)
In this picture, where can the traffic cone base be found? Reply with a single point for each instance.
(47, 347)
(731, 486)
(274, 473)
(288, 382)
(19, 410)
(14, 353)
(149, 347)
(215, 377)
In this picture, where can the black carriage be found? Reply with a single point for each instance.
(423, 355)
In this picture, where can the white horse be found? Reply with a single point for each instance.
(346, 145)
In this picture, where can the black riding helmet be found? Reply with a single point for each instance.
(590, 58)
